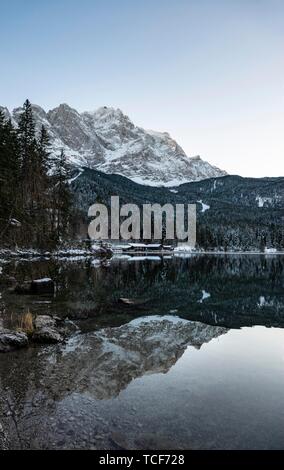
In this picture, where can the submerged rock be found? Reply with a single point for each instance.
(12, 340)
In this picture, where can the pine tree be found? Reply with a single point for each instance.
(9, 179)
(4, 196)
(42, 188)
(62, 200)
(44, 151)
(35, 184)
(28, 148)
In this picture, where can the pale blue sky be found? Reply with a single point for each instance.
(210, 72)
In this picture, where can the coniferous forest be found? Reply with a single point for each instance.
(34, 191)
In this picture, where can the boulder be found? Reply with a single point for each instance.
(38, 286)
(46, 331)
(47, 335)
(44, 321)
(42, 286)
(12, 340)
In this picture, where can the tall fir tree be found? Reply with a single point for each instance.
(42, 188)
(28, 148)
(9, 180)
(34, 161)
(62, 200)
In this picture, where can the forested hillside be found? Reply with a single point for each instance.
(232, 212)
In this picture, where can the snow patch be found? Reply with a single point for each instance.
(44, 279)
(205, 295)
(270, 250)
(205, 207)
(15, 223)
(76, 176)
(263, 200)
(264, 303)
(143, 258)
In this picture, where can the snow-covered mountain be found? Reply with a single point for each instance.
(108, 141)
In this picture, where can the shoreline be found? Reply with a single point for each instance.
(77, 253)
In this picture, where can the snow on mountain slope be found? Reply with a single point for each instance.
(108, 141)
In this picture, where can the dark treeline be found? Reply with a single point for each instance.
(246, 236)
(35, 200)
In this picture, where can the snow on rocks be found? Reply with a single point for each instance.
(15, 223)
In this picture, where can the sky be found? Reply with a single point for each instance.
(209, 72)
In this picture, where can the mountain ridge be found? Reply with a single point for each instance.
(107, 140)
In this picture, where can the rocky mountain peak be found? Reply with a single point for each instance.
(107, 140)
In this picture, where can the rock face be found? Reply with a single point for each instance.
(12, 340)
(108, 141)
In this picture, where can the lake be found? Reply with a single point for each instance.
(179, 352)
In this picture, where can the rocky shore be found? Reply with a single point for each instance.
(43, 329)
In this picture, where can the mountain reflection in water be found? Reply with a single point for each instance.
(106, 361)
(176, 367)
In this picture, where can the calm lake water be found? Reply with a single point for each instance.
(194, 361)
